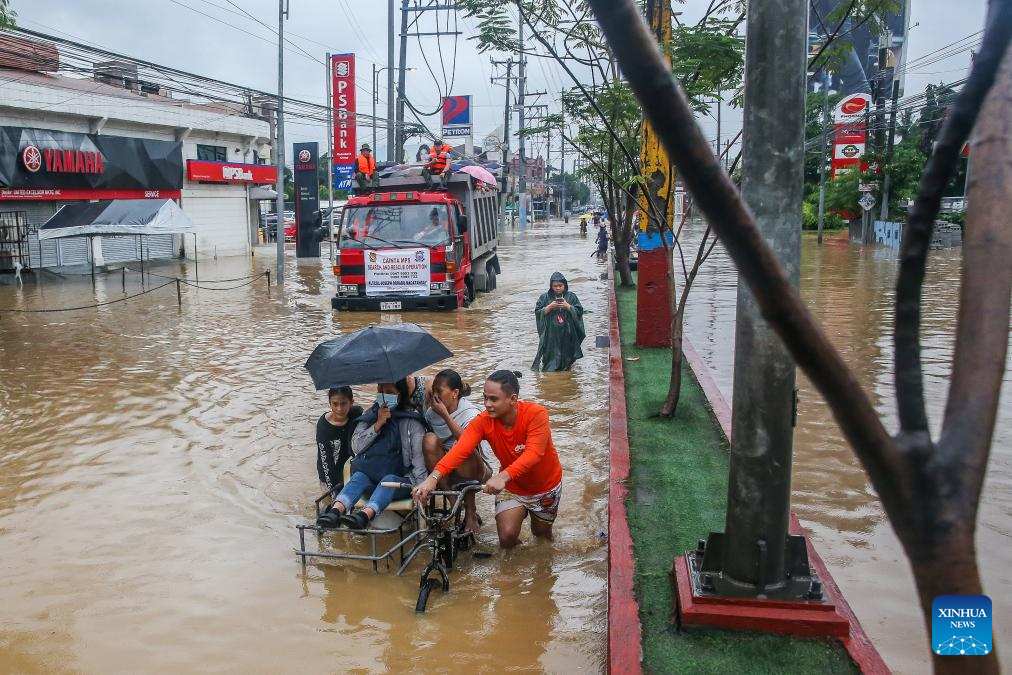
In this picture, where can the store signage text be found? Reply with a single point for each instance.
(343, 103)
(55, 160)
(222, 172)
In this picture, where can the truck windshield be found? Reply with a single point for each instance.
(397, 225)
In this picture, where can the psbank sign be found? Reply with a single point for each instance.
(200, 171)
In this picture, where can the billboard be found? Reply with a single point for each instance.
(850, 133)
(307, 199)
(342, 70)
(457, 116)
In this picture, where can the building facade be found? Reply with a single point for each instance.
(110, 136)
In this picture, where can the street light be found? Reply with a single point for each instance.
(375, 99)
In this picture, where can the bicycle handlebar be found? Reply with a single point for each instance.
(465, 488)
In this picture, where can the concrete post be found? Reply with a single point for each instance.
(754, 556)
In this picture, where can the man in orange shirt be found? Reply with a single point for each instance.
(530, 476)
(365, 169)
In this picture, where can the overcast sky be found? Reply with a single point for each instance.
(234, 48)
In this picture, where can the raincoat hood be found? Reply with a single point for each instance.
(558, 276)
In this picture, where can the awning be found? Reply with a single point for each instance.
(119, 216)
(261, 192)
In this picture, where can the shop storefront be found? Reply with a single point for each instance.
(43, 169)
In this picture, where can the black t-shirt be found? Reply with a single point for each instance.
(333, 447)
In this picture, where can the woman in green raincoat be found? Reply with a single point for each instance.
(559, 315)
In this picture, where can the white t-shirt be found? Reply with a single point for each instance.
(465, 412)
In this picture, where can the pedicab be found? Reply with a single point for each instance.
(404, 530)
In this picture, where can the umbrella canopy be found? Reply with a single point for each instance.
(118, 216)
(385, 353)
(481, 174)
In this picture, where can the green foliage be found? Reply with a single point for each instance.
(835, 26)
(842, 192)
(810, 216)
(707, 58)
(7, 14)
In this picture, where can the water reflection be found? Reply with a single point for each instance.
(153, 461)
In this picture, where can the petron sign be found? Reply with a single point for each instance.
(43, 164)
(850, 133)
(200, 171)
(456, 116)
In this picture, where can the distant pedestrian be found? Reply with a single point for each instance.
(559, 316)
(602, 239)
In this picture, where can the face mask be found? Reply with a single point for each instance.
(387, 400)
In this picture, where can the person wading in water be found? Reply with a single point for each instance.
(530, 476)
(559, 316)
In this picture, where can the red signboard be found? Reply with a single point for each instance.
(342, 68)
(229, 172)
(67, 195)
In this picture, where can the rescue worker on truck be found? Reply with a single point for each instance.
(439, 164)
(365, 169)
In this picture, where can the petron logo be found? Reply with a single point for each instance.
(853, 106)
(305, 156)
(961, 625)
(31, 158)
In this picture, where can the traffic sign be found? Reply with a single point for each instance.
(867, 202)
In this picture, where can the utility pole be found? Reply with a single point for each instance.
(562, 161)
(719, 95)
(822, 151)
(401, 67)
(890, 143)
(507, 156)
(521, 92)
(391, 155)
(374, 101)
(754, 556)
(330, 152)
(282, 15)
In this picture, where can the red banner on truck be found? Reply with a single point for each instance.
(342, 69)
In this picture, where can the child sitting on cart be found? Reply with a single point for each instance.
(386, 447)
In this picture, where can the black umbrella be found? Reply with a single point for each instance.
(375, 354)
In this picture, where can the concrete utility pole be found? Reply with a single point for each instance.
(719, 106)
(330, 154)
(282, 15)
(521, 92)
(890, 146)
(390, 82)
(562, 161)
(822, 151)
(507, 156)
(399, 125)
(755, 556)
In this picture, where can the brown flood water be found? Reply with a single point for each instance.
(153, 463)
(850, 289)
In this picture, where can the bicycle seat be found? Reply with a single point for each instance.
(457, 487)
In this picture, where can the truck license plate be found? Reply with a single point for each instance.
(387, 306)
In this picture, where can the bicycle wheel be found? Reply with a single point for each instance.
(423, 594)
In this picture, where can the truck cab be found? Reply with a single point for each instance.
(405, 246)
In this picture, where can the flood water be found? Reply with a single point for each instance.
(850, 290)
(154, 461)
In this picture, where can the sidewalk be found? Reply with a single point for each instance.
(677, 494)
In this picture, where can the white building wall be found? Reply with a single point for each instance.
(221, 212)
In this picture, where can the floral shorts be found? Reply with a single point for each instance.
(544, 506)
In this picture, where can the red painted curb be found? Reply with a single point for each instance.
(624, 635)
(857, 644)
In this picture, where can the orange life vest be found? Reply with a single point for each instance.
(367, 165)
(438, 161)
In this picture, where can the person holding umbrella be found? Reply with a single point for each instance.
(387, 446)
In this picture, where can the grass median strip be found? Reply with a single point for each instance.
(677, 494)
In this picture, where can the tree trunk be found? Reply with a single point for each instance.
(620, 234)
(675, 382)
